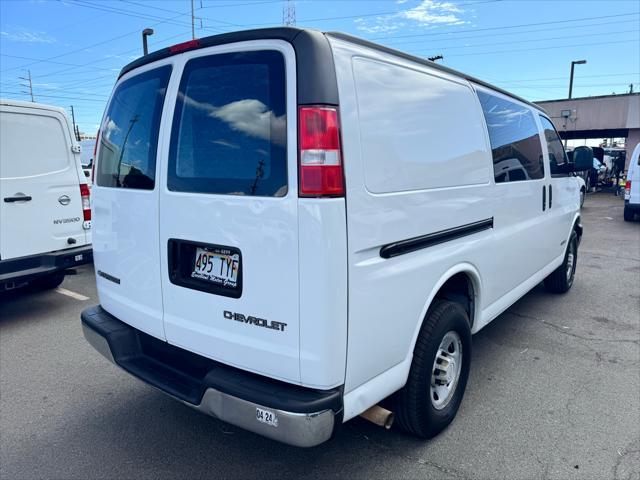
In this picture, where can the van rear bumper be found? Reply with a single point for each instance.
(305, 417)
(23, 269)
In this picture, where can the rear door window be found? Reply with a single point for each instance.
(31, 145)
(514, 137)
(229, 126)
(129, 135)
(557, 157)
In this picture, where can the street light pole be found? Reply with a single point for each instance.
(573, 63)
(145, 33)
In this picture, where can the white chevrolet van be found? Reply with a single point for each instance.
(45, 217)
(292, 226)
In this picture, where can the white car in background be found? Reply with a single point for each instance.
(45, 214)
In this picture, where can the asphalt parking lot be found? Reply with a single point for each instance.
(554, 392)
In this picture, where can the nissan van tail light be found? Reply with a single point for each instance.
(320, 157)
(627, 190)
(85, 194)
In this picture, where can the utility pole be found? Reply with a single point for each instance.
(28, 78)
(193, 23)
(573, 63)
(289, 13)
(437, 57)
(73, 120)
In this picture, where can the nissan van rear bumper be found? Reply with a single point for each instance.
(299, 416)
(16, 271)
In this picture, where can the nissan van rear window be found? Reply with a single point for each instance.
(129, 133)
(229, 126)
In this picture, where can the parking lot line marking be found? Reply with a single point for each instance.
(71, 294)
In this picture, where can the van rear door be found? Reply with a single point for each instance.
(41, 206)
(228, 208)
(125, 200)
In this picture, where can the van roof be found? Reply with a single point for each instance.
(35, 106)
(308, 49)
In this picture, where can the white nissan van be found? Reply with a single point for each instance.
(45, 217)
(292, 226)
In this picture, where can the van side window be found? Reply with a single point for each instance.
(129, 135)
(514, 137)
(229, 126)
(557, 157)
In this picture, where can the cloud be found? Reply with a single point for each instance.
(26, 36)
(432, 12)
(249, 116)
(426, 14)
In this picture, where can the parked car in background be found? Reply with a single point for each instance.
(632, 188)
(45, 215)
(87, 147)
(293, 226)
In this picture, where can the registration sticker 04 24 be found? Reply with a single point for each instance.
(267, 416)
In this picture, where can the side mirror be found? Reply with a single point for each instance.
(582, 159)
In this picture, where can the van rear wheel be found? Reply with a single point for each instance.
(628, 214)
(48, 282)
(429, 401)
(561, 279)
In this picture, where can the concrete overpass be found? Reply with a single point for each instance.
(606, 116)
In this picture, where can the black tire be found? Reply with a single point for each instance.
(48, 282)
(413, 406)
(628, 214)
(560, 280)
(583, 195)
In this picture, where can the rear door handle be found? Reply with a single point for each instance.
(550, 196)
(21, 198)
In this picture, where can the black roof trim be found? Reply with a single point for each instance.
(314, 60)
(437, 66)
(316, 70)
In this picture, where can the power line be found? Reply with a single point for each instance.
(109, 40)
(543, 48)
(59, 96)
(115, 71)
(75, 65)
(345, 17)
(520, 41)
(537, 30)
(506, 26)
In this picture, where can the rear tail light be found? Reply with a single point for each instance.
(85, 194)
(627, 189)
(320, 158)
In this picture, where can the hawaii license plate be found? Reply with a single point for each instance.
(219, 266)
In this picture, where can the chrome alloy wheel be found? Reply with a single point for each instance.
(446, 370)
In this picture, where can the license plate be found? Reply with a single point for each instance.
(78, 258)
(218, 266)
(266, 416)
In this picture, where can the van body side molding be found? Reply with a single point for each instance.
(417, 243)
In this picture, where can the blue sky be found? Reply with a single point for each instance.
(75, 48)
